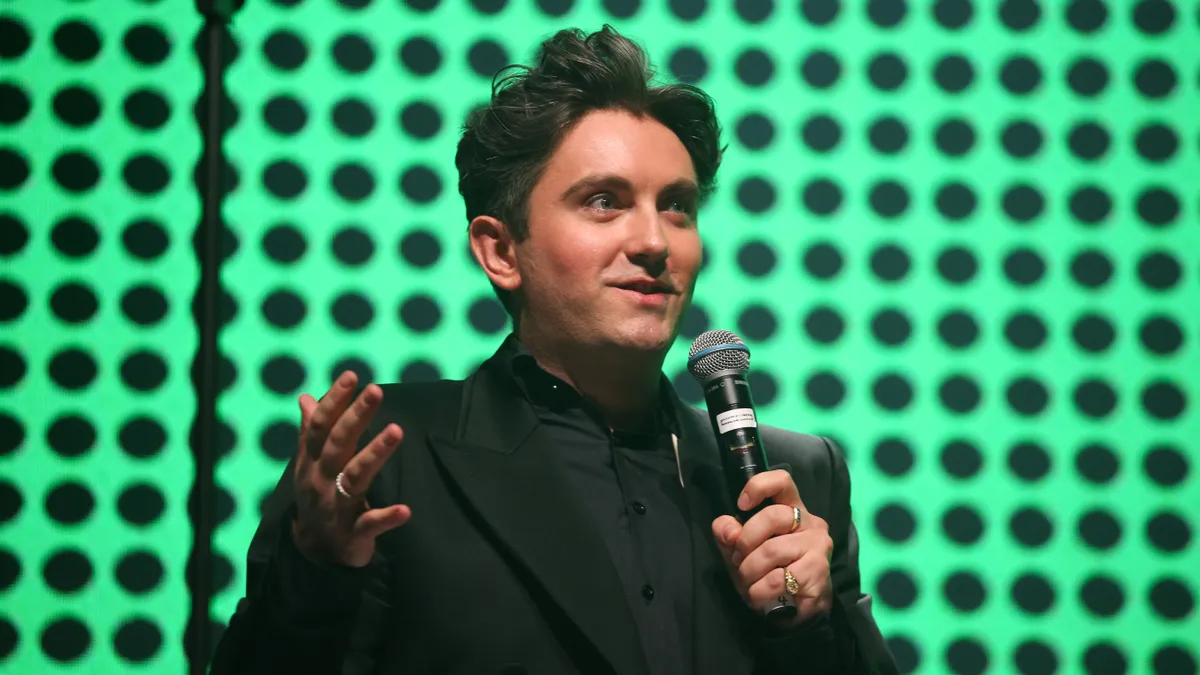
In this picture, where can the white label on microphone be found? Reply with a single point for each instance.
(738, 418)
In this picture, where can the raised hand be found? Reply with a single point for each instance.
(333, 523)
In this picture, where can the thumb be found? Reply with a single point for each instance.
(377, 521)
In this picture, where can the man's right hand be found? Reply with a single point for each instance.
(331, 528)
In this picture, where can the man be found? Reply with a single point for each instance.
(560, 510)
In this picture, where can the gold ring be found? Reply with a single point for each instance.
(789, 582)
(796, 512)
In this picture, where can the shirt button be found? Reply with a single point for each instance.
(648, 592)
(639, 508)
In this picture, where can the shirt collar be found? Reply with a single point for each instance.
(544, 389)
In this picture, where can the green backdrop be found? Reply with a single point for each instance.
(962, 238)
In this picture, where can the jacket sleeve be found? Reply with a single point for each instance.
(854, 624)
(297, 616)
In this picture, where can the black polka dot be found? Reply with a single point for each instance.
(822, 197)
(1020, 15)
(887, 71)
(1091, 269)
(622, 9)
(962, 524)
(890, 263)
(1021, 75)
(1029, 461)
(1105, 659)
(17, 37)
(964, 591)
(13, 301)
(487, 57)
(65, 639)
(887, 13)
(285, 179)
(820, 12)
(77, 41)
(1165, 466)
(70, 503)
(424, 371)
(756, 194)
(755, 131)
(147, 44)
(957, 265)
(1161, 335)
(953, 14)
(955, 137)
(420, 313)
(420, 56)
(140, 504)
(956, 201)
(688, 64)
(282, 374)
(137, 640)
(1023, 203)
(958, 329)
(10, 569)
(14, 235)
(353, 117)
(754, 11)
(420, 248)
(71, 435)
(896, 588)
(824, 325)
(954, 73)
(1024, 267)
(1030, 527)
(146, 109)
(1088, 77)
(891, 327)
(967, 656)
(285, 50)
(688, 10)
(1174, 660)
(1159, 270)
(888, 135)
(488, 316)
(757, 323)
(756, 259)
(74, 172)
(961, 459)
(694, 322)
(1154, 17)
(1036, 658)
(485, 6)
(1027, 396)
(1098, 529)
(893, 456)
(1091, 204)
(895, 522)
(1171, 599)
(892, 392)
(1022, 139)
(821, 133)
(67, 571)
(1093, 333)
(960, 394)
(825, 390)
(821, 69)
(76, 106)
(1033, 593)
(352, 311)
(1163, 400)
(1168, 532)
(1087, 16)
(1158, 206)
(143, 370)
(13, 367)
(142, 437)
(420, 184)
(1157, 142)
(421, 120)
(889, 199)
(1097, 463)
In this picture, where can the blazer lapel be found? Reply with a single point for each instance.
(512, 477)
(718, 644)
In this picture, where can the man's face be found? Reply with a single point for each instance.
(613, 250)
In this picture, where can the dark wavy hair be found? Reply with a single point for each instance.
(507, 144)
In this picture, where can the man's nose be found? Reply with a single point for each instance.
(646, 240)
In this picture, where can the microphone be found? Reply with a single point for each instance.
(719, 361)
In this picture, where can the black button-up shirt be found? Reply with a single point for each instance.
(630, 484)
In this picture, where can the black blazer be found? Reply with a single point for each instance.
(499, 571)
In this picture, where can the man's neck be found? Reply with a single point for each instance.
(623, 385)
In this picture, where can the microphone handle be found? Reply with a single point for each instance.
(731, 411)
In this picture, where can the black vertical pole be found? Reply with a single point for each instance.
(206, 310)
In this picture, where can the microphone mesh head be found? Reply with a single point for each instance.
(730, 358)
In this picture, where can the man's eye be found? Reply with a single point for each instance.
(602, 201)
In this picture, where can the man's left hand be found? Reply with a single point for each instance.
(758, 551)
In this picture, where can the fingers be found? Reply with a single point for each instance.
(363, 466)
(375, 522)
(343, 437)
(813, 596)
(782, 551)
(318, 417)
(773, 521)
(776, 485)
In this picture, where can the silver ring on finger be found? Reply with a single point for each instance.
(340, 487)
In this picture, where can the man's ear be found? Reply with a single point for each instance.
(495, 251)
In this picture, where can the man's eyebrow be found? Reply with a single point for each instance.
(596, 181)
